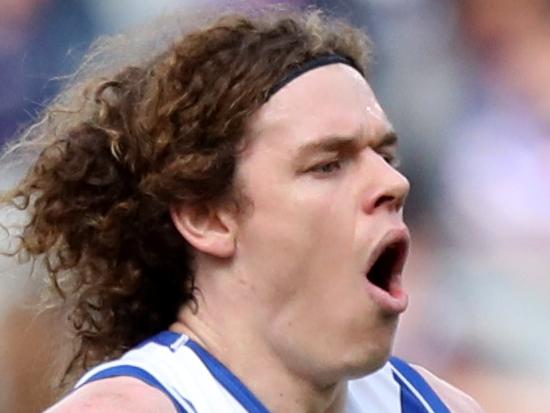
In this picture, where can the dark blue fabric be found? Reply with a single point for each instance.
(228, 380)
(418, 382)
(409, 402)
(138, 373)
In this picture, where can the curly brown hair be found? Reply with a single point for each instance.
(116, 150)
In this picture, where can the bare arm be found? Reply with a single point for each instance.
(455, 399)
(115, 395)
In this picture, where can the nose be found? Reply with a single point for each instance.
(388, 190)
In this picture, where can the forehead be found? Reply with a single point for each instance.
(333, 100)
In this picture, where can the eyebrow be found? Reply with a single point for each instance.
(333, 143)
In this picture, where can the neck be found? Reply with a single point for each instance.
(227, 331)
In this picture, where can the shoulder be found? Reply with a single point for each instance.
(115, 395)
(455, 399)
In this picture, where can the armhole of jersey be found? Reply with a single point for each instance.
(412, 382)
(138, 373)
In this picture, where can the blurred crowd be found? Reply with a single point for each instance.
(466, 84)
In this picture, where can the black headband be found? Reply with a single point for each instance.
(318, 61)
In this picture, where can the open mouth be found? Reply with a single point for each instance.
(386, 270)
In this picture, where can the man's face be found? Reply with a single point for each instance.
(326, 205)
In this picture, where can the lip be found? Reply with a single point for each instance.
(395, 300)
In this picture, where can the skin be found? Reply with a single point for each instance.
(283, 297)
(116, 395)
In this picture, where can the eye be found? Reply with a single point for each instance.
(390, 158)
(327, 167)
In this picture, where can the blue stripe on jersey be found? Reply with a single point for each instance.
(138, 373)
(228, 380)
(420, 385)
(165, 338)
(409, 402)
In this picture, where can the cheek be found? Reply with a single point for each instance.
(294, 215)
(331, 218)
(298, 231)
(297, 239)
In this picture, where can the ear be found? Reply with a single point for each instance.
(208, 229)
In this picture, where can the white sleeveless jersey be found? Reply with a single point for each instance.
(196, 382)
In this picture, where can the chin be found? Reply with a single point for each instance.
(358, 363)
(368, 355)
(369, 363)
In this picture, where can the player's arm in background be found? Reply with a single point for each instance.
(455, 399)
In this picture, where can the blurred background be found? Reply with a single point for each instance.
(467, 85)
